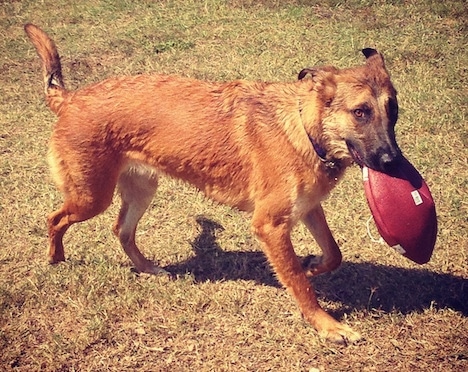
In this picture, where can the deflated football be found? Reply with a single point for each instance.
(403, 210)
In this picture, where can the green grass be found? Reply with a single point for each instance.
(225, 310)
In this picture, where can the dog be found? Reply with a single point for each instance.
(273, 149)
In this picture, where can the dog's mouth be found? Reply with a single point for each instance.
(355, 154)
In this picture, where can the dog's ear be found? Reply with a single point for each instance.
(323, 81)
(369, 52)
(315, 71)
(306, 71)
(373, 57)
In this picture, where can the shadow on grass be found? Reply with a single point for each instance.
(354, 285)
(212, 263)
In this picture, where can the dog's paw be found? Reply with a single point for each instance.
(158, 271)
(316, 265)
(56, 258)
(340, 334)
(311, 265)
(152, 270)
(330, 329)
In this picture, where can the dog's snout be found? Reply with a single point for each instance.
(386, 159)
(389, 159)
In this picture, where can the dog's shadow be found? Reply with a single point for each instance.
(354, 285)
(211, 263)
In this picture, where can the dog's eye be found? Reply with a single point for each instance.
(362, 113)
(359, 113)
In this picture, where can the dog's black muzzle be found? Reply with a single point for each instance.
(383, 159)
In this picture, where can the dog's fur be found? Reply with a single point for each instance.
(274, 149)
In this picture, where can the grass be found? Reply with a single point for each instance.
(225, 311)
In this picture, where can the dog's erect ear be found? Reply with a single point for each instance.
(369, 52)
(373, 57)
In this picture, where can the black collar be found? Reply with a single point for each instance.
(331, 164)
(321, 152)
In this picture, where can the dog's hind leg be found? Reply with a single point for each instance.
(80, 205)
(137, 186)
(58, 223)
(316, 223)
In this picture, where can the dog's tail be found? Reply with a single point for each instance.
(53, 81)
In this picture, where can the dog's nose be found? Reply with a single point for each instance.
(389, 160)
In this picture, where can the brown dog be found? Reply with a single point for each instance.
(274, 149)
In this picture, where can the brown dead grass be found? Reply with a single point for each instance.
(225, 310)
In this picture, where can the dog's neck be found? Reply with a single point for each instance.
(332, 165)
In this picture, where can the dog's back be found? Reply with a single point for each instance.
(208, 134)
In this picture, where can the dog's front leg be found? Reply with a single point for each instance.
(331, 258)
(274, 234)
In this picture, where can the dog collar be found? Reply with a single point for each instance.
(331, 164)
(321, 152)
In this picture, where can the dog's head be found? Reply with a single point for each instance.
(360, 113)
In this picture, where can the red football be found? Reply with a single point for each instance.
(403, 210)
